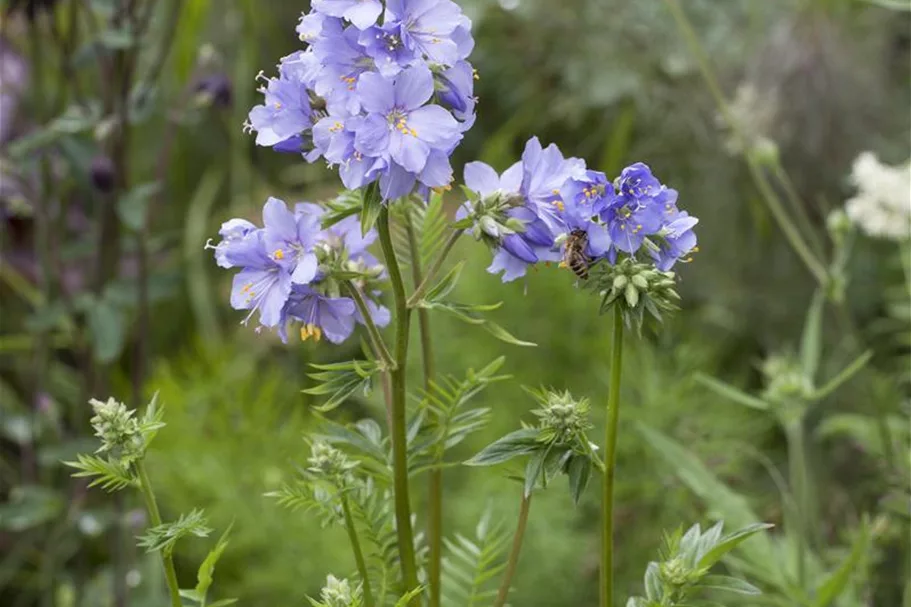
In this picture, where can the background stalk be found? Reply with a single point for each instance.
(358, 553)
(797, 461)
(398, 378)
(435, 476)
(610, 450)
(513, 561)
(155, 519)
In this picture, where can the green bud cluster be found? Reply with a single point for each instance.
(338, 593)
(488, 221)
(636, 286)
(328, 463)
(117, 428)
(678, 575)
(562, 418)
(785, 379)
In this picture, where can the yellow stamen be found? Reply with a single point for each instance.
(559, 204)
(278, 254)
(308, 331)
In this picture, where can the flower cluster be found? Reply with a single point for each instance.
(550, 208)
(384, 99)
(294, 270)
(882, 206)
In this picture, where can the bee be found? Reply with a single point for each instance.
(574, 256)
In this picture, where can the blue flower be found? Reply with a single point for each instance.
(403, 131)
(582, 201)
(637, 181)
(289, 239)
(455, 90)
(319, 315)
(232, 232)
(285, 113)
(679, 240)
(526, 239)
(362, 13)
(262, 285)
(429, 28)
(385, 45)
(544, 171)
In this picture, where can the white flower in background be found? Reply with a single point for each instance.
(882, 206)
(753, 114)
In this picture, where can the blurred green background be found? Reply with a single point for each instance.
(607, 80)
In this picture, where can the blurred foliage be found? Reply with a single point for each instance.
(609, 80)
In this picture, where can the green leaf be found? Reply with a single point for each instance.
(811, 340)
(653, 582)
(117, 39)
(132, 206)
(514, 444)
(370, 211)
(730, 392)
(207, 568)
(533, 470)
(505, 336)
(731, 541)
(729, 584)
(222, 603)
(111, 475)
(847, 373)
(895, 5)
(580, 471)
(408, 596)
(346, 204)
(29, 507)
(835, 583)
(341, 380)
(107, 329)
(446, 284)
(730, 505)
(190, 595)
(163, 537)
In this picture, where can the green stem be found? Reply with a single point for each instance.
(358, 554)
(375, 336)
(435, 476)
(513, 561)
(610, 450)
(816, 268)
(800, 209)
(798, 473)
(434, 268)
(399, 395)
(155, 518)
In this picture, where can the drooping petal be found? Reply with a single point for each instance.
(511, 267)
(364, 13)
(408, 150)
(437, 172)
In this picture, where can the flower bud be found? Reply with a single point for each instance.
(118, 430)
(339, 593)
(516, 225)
(329, 463)
(839, 226)
(563, 419)
(490, 226)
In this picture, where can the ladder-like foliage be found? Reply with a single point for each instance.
(471, 566)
